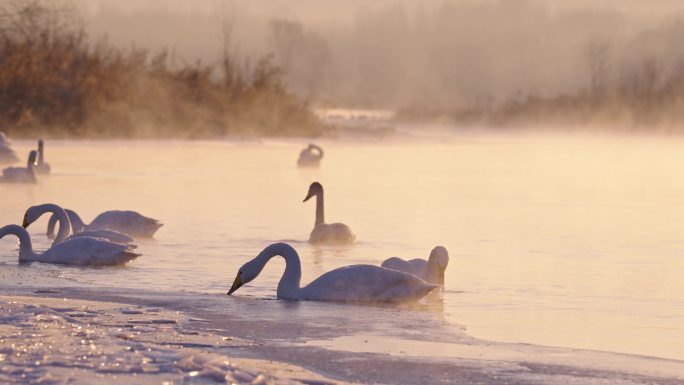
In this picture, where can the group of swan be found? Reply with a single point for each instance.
(310, 156)
(107, 241)
(396, 280)
(35, 165)
(85, 247)
(127, 222)
(355, 283)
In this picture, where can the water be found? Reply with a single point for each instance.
(561, 241)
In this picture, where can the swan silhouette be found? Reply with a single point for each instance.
(310, 156)
(33, 213)
(21, 174)
(130, 223)
(41, 166)
(330, 233)
(83, 251)
(431, 270)
(356, 283)
(7, 155)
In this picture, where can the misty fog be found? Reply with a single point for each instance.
(402, 53)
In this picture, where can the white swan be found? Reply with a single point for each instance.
(310, 156)
(431, 270)
(332, 233)
(77, 251)
(127, 222)
(7, 155)
(356, 283)
(21, 174)
(41, 166)
(33, 213)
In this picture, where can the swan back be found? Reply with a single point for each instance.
(87, 251)
(128, 222)
(310, 156)
(431, 270)
(332, 233)
(21, 174)
(366, 283)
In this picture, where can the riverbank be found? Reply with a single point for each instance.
(76, 336)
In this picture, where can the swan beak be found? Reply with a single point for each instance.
(236, 285)
(25, 223)
(308, 196)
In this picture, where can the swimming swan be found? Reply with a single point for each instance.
(310, 156)
(356, 283)
(332, 233)
(7, 155)
(77, 251)
(41, 166)
(21, 174)
(126, 222)
(61, 216)
(431, 270)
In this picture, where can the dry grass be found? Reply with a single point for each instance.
(55, 82)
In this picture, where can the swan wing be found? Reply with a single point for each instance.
(366, 283)
(335, 233)
(88, 251)
(417, 267)
(110, 235)
(129, 222)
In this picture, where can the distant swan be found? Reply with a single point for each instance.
(21, 174)
(41, 166)
(7, 155)
(431, 270)
(78, 251)
(333, 233)
(356, 283)
(61, 216)
(126, 222)
(310, 156)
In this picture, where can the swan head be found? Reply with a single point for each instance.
(32, 158)
(246, 274)
(439, 256)
(314, 190)
(31, 215)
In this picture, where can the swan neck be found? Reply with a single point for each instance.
(25, 246)
(52, 222)
(77, 224)
(41, 156)
(320, 211)
(62, 219)
(288, 287)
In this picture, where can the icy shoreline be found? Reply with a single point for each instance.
(181, 325)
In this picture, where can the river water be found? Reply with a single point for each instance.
(568, 241)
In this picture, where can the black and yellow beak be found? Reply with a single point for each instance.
(236, 284)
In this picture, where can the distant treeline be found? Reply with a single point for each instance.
(55, 81)
(494, 63)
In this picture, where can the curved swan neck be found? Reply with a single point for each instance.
(25, 246)
(320, 211)
(77, 224)
(288, 287)
(41, 151)
(318, 149)
(62, 219)
(51, 226)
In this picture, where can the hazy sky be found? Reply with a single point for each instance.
(360, 49)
